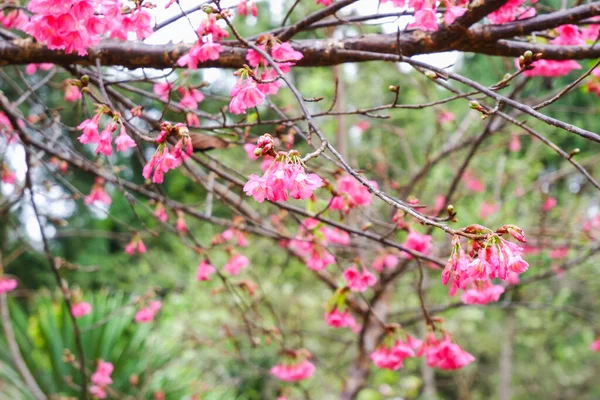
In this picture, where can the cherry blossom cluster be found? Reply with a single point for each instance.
(512, 10)
(147, 314)
(245, 6)
(284, 177)
(398, 346)
(311, 241)
(98, 194)
(254, 84)
(337, 314)
(426, 12)
(350, 193)
(135, 245)
(206, 48)
(101, 379)
(76, 25)
(164, 160)
(567, 35)
(490, 258)
(90, 132)
(294, 367)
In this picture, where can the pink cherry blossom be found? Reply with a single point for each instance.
(425, 19)
(393, 357)
(80, 309)
(487, 209)
(418, 242)
(235, 264)
(124, 141)
(8, 176)
(105, 139)
(72, 93)
(549, 204)
(162, 90)
(595, 346)
(337, 319)
(325, 2)
(552, 68)
(293, 372)
(144, 315)
(452, 13)
(7, 284)
(90, 130)
(204, 271)
(97, 391)
(31, 69)
(249, 149)
(385, 261)
(98, 194)
(559, 252)
(201, 52)
(482, 293)
(358, 282)
(14, 19)
(445, 354)
(101, 376)
(336, 235)
(245, 95)
(191, 98)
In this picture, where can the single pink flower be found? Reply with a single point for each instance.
(418, 242)
(72, 93)
(245, 95)
(549, 204)
(293, 372)
(124, 141)
(204, 271)
(337, 319)
(425, 19)
(392, 358)
(7, 284)
(80, 309)
(235, 264)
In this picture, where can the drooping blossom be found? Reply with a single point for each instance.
(200, 53)
(80, 309)
(357, 281)
(392, 357)
(98, 194)
(286, 176)
(350, 194)
(7, 284)
(105, 139)
(204, 271)
(136, 244)
(14, 19)
(124, 141)
(568, 35)
(242, 8)
(190, 97)
(245, 94)
(165, 160)
(235, 264)
(147, 314)
(445, 354)
(101, 376)
(295, 367)
(482, 293)
(338, 319)
(31, 69)
(310, 246)
(162, 90)
(180, 224)
(160, 212)
(425, 19)
(418, 242)
(385, 261)
(90, 130)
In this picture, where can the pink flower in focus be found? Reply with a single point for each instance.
(105, 139)
(245, 95)
(425, 19)
(90, 130)
(301, 184)
(191, 98)
(124, 141)
(235, 264)
(204, 271)
(358, 282)
(7, 284)
(80, 309)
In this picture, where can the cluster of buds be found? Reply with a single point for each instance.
(527, 59)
